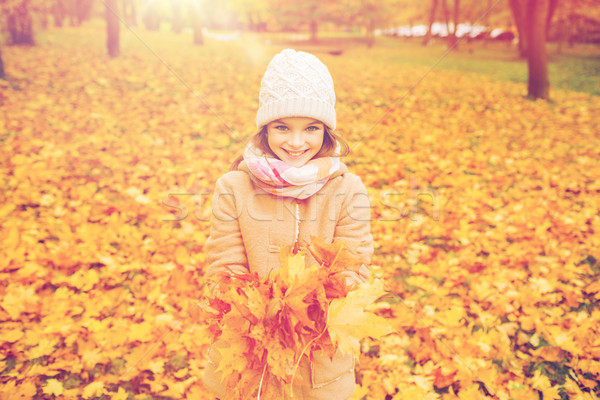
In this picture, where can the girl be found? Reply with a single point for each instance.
(289, 186)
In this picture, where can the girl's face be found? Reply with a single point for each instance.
(295, 140)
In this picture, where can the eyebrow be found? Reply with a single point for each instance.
(314, 121)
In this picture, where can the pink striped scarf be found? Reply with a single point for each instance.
(276, 177)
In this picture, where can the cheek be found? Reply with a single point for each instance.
(317, 142)
(272, 141)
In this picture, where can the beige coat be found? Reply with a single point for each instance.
(248, 228)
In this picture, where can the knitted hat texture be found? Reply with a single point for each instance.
(296, 84)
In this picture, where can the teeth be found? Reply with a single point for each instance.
(295, 154)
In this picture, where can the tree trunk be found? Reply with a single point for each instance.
(518, 11)
(446, 13)
(451, 40)
(537, 57)
(261, 26)
(196, 20)
(571, 26)
(112, 28)
(72, 11)
(427, 38)
(454, 42)
(198, 36)
(79, 12)
(20, 24)
(2, 74)
(58, 13)
(370, 33)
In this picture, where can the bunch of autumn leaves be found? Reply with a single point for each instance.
(266, 327)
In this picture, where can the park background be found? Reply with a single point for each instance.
(119, 116)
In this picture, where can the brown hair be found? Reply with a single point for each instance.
(330, 142)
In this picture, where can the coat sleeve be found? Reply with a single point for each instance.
(225, 246)
(354, 223)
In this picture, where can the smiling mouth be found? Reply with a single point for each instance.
(295, 153)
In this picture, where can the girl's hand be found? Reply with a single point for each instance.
(353, 278)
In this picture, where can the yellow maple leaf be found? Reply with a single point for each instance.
(91, 357)
(542, 383)
(156, 366)
(281, 359)
(17, 299)
(53, 386)
(359, 393)
(291, 266)
(84, 280)
(181, 373)
(416, 393)
(348, 322)
(551, 393)
(44, 348)
(92, 390)
(174, 389)
(452, 317)
(182, 256)
(233, 355)
(470, 393)
(141, 332)
(11, 336)
(121, 394)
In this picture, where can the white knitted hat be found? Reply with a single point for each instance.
(296, 84)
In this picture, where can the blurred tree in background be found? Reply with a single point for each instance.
(2, 74)
(305, 15)
(451, 27)
(180, 14)
(112, 27)
(77, 11)
(19, 22)
(575, 21)
(367, 15)
(253, 14)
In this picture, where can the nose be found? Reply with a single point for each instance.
(296, 139)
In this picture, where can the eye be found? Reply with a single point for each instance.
(313, 128)
(281, 128)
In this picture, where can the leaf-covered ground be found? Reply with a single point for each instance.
(484, 213)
